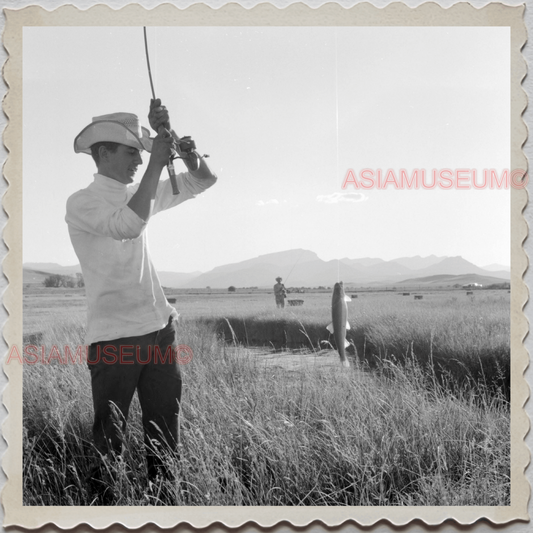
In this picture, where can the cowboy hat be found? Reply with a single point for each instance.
(121, 128)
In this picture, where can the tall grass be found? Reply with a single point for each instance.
(465, 340)
(257, 434)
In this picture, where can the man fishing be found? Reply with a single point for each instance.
(131, 328)
(280, 293)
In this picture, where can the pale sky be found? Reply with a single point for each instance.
(284, 113)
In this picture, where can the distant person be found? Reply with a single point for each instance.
(129, 318)
(280, 293)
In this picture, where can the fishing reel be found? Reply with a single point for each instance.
(187, 150)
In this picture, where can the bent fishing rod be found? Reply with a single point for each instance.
(186, 145)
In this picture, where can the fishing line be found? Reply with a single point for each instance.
(299, 257)
(186, 146)
(336, 103)
(337, 125)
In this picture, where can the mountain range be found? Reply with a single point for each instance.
(303, 268)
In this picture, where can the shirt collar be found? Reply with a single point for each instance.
(109, 188)
(108, 183)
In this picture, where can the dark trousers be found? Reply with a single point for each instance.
(147, 363)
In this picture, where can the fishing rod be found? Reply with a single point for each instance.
(185, 144)
(299, 257)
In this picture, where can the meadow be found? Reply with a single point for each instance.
(269, 416)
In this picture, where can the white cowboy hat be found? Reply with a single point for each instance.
(121, 128)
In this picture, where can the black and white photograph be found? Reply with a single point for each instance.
(270, 265)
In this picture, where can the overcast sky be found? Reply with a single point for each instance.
(284, 114)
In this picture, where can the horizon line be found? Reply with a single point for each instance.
(505, 266)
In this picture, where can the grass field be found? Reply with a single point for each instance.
(269, 416)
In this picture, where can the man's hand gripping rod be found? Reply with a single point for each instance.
(186, 146)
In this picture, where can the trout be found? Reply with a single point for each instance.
(339, 323)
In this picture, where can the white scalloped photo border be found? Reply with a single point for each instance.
(265, 14)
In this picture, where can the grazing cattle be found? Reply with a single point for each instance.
(171, 300)
(406, 294)
(468, 293)
(295, 302)
(418, 297)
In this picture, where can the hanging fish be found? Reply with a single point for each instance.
(339, 324)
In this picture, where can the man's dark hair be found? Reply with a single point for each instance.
(95, 148)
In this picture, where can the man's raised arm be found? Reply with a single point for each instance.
(140, 202)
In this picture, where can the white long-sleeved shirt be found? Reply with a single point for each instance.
(124, 295)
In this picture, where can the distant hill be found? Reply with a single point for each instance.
(495, 267)
(418, 263)
(175, 279)
(33, 276)
(257, 273)
(53, 268)
(449, 280)
(364, 261)
(377, 268)
(457, 266)
(303, 268)
(39, 272)
(279, 260)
